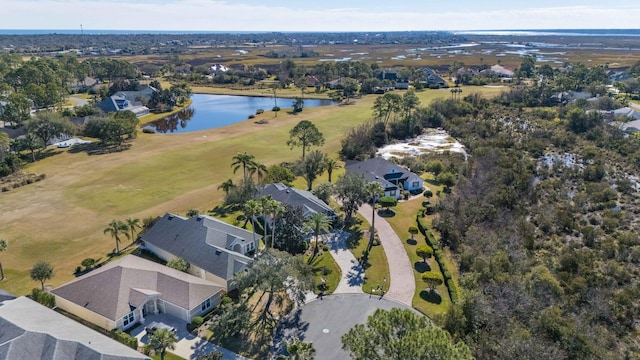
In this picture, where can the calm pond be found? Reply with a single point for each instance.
(214, 111)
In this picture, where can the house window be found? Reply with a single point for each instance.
(128, 319)
(205, 304)
(415, 184)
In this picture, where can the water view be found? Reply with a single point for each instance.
(214, 111)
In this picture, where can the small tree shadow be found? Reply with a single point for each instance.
(421, 267)
(412, 242)
(431, 296)
(99, 148)
(386, 213)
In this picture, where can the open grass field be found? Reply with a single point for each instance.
(61, 219)
(377, 267)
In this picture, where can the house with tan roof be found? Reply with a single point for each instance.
(215, 250)
(29, 330)
(124, 292)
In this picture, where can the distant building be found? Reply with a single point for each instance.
(218, 68)
(117, 102)
(433, 78)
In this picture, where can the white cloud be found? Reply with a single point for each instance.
(229, 16)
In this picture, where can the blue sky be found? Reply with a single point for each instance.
(325, 15)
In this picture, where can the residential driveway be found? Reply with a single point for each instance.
(352, 273)
(188, 346)
(403, 284)
(79, 101)
(323, 322)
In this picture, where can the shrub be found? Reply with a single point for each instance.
(251, 116)
(197, 321)
(259, 111)
(226, 300)
(429, 209)
(276, 108)
(325, 248)
(326, 271)
(428, 193)
(124, 338)
(148, 130)
(43, 298)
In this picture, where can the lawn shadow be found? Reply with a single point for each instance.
(99, 148)
(222, 210)
(290, 327)
(431, 296)
(386, 213)
(421, 266)
(354, 238)
(412, 242)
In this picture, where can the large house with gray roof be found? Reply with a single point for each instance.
(392, 177)
(118, 102)
(302, 199)
(215, 250)
(124, 292)
(29, 330)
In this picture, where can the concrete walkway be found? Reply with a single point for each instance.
(352, 273)
(403, 284)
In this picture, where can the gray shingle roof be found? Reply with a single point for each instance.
(201, 241)
(29, 330)
(378, 169)
(112, 289)
(296, 197)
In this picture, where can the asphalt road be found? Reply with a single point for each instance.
(323, 322)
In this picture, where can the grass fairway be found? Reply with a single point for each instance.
(61, 219)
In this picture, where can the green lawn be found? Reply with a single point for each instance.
(376, 268)
(424, 301)
(324, 267)
(61, 219)
(168, 356)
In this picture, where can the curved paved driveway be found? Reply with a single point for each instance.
(403, 284)
(352, 273)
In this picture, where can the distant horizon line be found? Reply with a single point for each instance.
(578, 31)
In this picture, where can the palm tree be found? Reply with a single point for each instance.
(251, 209)
(3, 247)
(318, 223)
(227, 186)
(274, 211)
(161, 340)
(259, 169)
(265, 205)
(115, 229)
(330, 165)
(133, 224)
(244, 160)
(375, 190)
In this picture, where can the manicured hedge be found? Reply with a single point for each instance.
(438, 255)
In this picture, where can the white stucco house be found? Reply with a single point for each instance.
(124, 292)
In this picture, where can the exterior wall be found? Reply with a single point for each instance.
(197, 311)
(408, 184)
(164, 255)
(85, 314)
